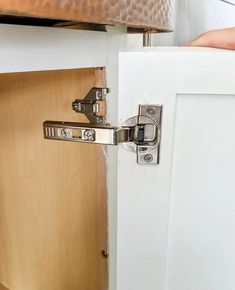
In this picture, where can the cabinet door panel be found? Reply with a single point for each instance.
(175, 221)
(52, 194)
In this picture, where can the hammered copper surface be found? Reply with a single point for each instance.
(155, 14)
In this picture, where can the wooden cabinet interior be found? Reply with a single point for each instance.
(53, 215)
(3, 287)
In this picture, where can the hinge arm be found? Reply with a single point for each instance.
(86, 133)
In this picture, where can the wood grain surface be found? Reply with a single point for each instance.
(53, 215)
(3, 287)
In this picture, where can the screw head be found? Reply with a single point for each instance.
(148, 158)
(151, 111)
(89, 135)
(99, 119)
(77, 107)
(99, 95)
(64, 133)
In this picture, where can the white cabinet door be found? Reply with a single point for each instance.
(176, 220)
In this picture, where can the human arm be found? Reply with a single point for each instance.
(223, 38)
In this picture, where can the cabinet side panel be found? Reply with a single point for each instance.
(53, 219)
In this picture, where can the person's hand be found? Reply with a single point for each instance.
(224, 38)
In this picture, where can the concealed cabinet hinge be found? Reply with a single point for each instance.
(141, 134)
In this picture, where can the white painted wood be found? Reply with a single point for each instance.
(116, 41)
(201, 239)
(27, 48)
(175, 228)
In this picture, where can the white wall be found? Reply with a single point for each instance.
(196, 17)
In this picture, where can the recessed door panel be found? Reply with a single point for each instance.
(201, 237)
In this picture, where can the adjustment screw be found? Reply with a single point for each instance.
(65, 133)
(151, 111)
(89, 135)
(148, 158)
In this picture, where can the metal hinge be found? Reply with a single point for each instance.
(141, 134)
(93, 106)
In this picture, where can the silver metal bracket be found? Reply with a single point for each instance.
(93, 106)
(146, 127)
(85, 133)
(140, 134)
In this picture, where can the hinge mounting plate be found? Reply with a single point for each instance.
(93, 106)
